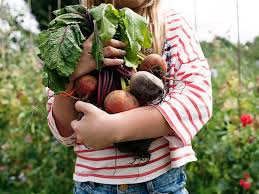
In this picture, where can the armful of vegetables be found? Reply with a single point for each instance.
(114, 89)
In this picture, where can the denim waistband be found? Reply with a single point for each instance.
(171, 181)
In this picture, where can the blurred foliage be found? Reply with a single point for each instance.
(42, 10)
(32, 161)
(224, 148)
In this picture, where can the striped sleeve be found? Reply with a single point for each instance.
(67, 141)
(188, 104)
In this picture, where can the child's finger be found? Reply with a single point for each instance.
(112, 62)
(110, 51)
(86, 108)
(115, 43)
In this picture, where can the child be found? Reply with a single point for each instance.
(100, 168)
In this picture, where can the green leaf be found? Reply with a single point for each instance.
(97, 48)
(135, 33)
(137, 27)
(60, 48)
(66, 19)
(84, 21)
(125, 25)
(107, 19)
(53, 80)
(71, 9)
(106, 23)
(61, 45)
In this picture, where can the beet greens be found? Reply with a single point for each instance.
(62, 43)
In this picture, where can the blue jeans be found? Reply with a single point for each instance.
(172, 182)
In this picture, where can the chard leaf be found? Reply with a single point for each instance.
(71, 9)
(135, 33)
(66, 19)
(60, 48)
(107, 19)
(61, 45)
(84, 21)
(53, 80)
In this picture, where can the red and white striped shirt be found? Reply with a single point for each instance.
(187, 107)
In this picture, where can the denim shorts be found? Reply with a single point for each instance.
(172, 182)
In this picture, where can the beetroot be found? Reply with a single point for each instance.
(120, 101)
(85, 86)
(155, 64)
(146, 87)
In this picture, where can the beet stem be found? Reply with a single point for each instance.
(124, 71)
(117, 81)
(99, 88)
(141, 56)
(105, 83)
(110, 83)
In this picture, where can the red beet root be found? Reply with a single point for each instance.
(146, 87)
(120, 101)
(86, 86)
(155, 64)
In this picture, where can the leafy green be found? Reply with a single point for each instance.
(134, 32)
(60, 48)
(53, 79)
(107, 19)
(61, 44)
(60, 51)
(71, 9)
(66, 19)
(83, 20)
(128, 27)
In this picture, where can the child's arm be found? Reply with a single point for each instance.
(98, 129)
(61, 108)
(64, 112)
(64, 135)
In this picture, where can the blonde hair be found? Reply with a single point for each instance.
(150, 11)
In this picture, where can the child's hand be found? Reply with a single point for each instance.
(112, 53)
(95, 128)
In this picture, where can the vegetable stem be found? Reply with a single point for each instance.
(97, 48)
(141, 56)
